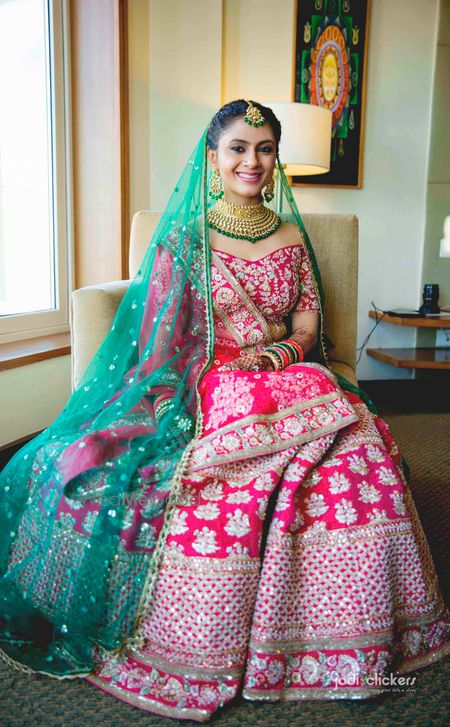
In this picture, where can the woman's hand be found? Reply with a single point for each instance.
(248, 362)
(305, 325)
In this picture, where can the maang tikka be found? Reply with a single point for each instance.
(253, 115)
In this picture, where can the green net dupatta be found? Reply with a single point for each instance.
(85, 505)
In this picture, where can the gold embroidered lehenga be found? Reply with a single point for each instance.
(345, 586)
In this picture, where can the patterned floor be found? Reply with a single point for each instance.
(423, 440)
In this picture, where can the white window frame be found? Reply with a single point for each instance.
(32, 325)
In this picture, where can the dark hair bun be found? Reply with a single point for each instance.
(233, 110)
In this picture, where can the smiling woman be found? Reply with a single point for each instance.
(245, 159)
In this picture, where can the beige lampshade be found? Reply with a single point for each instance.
(445, 242)
(305, 144)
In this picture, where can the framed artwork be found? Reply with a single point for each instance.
(330, 59)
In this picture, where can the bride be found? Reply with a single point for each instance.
(215, 509)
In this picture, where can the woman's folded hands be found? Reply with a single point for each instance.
(252, 361)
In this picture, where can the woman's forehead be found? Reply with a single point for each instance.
(239, 130)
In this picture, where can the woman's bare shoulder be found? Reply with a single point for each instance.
(290, 233)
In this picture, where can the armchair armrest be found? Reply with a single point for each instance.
(345, 370)
(92, 311)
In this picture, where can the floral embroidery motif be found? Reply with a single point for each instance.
(283, 388)
(238, 523)
(357, 464)
(345, 512)
(205, 541)
(210, 511)
(293, 290)
(399, 503)
(316, 505)
(339, 483)
(374, 454)
(368, 493)
(234, 392)
(277, 284)
(213, 491)
(387, 477)
(238, 497)
(178, 525)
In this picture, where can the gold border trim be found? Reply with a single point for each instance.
(379, 636)
(148, 704)
(228, 325)
(272, 647)
(185, 669)
(325, 693)
(277, 416)
(301, 438)
(421, 661)
(293, 441)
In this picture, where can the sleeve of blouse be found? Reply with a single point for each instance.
(308, 296)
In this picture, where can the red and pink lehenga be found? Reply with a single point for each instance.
(343, 590)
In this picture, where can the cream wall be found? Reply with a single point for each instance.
(434, 268)
(175, 67)
(139, 102)
(32, 397)
(200, 56)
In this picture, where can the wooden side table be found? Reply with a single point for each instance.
(413, 358)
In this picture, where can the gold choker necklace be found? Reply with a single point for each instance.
(247, 222)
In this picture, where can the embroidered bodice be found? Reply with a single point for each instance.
(278, 283)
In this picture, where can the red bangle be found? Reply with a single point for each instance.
(279, 353)
(298, 347)
(162, 397)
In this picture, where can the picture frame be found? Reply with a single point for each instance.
(330, 70)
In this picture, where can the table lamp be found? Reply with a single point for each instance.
(305, 144)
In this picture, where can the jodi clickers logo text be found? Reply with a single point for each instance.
(380, 681)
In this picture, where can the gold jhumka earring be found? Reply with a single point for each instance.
(269, 190)
(215, 185)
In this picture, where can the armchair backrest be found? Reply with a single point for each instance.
(335, 241)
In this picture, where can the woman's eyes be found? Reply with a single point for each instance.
(264, 149)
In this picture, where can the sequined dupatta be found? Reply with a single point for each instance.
(75, 556)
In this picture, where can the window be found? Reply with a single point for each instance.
(35, 214)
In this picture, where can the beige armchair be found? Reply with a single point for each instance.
(335, 241)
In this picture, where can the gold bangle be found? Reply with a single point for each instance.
(162, 408)
(271, 357)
